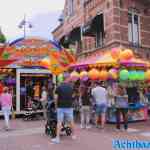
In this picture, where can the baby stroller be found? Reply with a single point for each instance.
(31, 112)
(51, 125)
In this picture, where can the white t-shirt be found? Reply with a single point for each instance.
(44, 96)
(100, 95)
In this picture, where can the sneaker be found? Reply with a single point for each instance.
(98, 126)
(88, 127)
(74, 137)
(55, 140)
(118, 130)
(82, 127)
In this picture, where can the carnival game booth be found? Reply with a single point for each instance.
(117, 66)
(24, 58)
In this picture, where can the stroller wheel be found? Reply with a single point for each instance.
(53, 132)
(68, 131)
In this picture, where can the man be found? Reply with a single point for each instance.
(64, 104)
(99, 94)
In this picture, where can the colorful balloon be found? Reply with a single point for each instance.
(126, 54)
(113, 73)
(60, 78)
(133, 75)
(103, 75)
(74, 75)
(115, 52)
(124, 74)
(94, 74)
(141, 75)
(147, 75)
(83, 74)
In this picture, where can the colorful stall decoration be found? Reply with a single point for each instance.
(124, 74)
(84, 75)
(74, 76)
(127, 54)
(94, 74)
(113, 74)
(147, 75)
(103, 75)
(115, 53)
(60, 78)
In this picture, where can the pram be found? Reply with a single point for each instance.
(31, 112)
(51, 124)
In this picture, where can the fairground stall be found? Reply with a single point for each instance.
(23, 70)
(117, 67)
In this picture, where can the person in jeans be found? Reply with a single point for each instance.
(6, 104)
(100, 97)
(121, 102)
(64, 105)
(84, 101)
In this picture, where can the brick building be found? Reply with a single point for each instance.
(94, 25)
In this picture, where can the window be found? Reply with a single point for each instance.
(133, 28)
(99, 30)
(71, 7)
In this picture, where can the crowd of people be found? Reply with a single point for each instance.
(85, 97)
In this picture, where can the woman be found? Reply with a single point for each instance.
(85, 106)
(6, 104)
(121, 102)
(44, 100)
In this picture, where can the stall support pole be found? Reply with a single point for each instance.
(18, 91)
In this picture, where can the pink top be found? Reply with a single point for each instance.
(6, 100)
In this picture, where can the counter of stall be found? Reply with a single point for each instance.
(136, 112)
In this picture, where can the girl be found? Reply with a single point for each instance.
(6, 103)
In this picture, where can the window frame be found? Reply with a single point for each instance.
(133, 29)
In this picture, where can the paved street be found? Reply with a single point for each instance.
(30, 136)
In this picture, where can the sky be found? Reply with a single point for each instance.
(42, 14)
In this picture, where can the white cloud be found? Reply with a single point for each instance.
(12, 12)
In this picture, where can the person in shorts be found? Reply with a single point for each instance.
(99, 95)
(64, 105)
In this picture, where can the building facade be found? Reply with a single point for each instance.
(94, 25)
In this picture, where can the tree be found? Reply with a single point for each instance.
(2, 37)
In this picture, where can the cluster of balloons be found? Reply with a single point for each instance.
(94, 74)
(103, 75)
(117, 53)
(132, 75)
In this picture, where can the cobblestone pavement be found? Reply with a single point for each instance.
(30, 136)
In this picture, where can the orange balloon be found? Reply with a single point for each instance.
(93, 74)
(147, 75)
(126, 54)
(103, 75)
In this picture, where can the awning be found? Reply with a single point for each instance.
(97, 59)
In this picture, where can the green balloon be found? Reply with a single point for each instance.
(133, 75)
(141, 75)
(124, 74)
(60, 78)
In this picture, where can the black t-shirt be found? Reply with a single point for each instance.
(65, 92)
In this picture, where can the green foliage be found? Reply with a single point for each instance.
(2, 38)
